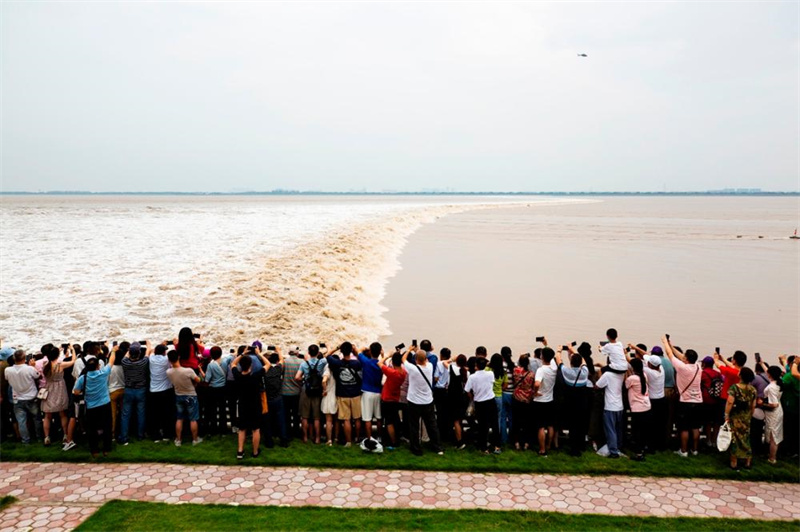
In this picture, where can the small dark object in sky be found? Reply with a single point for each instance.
(582, 55)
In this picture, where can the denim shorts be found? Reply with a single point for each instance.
(187, 407)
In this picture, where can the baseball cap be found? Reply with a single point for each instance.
(653, 359)
(657, 351)
(135, 349)
(6, 353)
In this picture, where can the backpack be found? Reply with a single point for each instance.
(715, 388)
(314, 381)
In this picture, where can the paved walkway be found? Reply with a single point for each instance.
(60, 496)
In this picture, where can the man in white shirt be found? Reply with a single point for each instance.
(543, 406)
(22, 379)
(420, 400)
(480, 385)
(613, 411)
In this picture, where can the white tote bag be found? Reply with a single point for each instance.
(724, 438)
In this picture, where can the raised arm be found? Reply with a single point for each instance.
(671, 352)
(796, 368)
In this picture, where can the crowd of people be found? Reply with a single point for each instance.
(557, 397)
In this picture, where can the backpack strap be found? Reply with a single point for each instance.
(691, 381)
(424, 377)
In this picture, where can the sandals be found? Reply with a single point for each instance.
(256, 455)
(240, 455)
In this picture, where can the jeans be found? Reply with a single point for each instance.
(506, 421)
(275, 422)
(640, 429)
(23, 409)
(161, 415)
(428, 415)
(659, 417)
(98, 420)
(214, 412)
(614, 427)
(443, 417)
(291, 416)
(486, 415)
(523, 426)
(501, 419)
(576, 412)
(134, 397)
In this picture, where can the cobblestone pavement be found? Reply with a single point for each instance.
(61, 496)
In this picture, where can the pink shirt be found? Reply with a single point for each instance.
(687, 380)
(639, 402)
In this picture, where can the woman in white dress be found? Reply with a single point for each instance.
(773, 412)
(328, 404)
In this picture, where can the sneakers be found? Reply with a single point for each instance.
(240, 455)
(461, 446)
(682, 454)
(440, 453)
(47, 441)
(694, 453)
(197, 441)
(68, 445)
(177, 443)
(348, 444)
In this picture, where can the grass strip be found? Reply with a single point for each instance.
(221, 450)
(134, 516)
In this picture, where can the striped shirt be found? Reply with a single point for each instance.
(135, 372)
(290, 366)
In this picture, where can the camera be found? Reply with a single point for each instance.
(540, 338)
(413, 343)
(270, 348)
(603, 343)
(196, 335)
(322, 344)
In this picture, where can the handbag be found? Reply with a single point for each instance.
(43, 393)
(724, 438)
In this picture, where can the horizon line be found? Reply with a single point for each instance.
(281, 192)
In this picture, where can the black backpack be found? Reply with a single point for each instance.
(314, 381)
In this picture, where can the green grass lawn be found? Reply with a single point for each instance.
(124, 515)
(222, 450)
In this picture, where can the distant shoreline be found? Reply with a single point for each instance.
(710, 193)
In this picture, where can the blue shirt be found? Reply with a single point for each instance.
(669, 372)
(371, 374)
(215, 376)
(94, 385)
(319, 363)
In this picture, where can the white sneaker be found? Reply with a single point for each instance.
(694, 453)
(681, 453)
(68, 445)
(177, 443)
(198, 440)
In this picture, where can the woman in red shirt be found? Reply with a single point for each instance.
(189, 350)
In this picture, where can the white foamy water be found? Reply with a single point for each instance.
(289, 269)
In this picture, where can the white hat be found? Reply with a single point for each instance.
(653, 360)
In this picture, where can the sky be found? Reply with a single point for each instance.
(399, 96)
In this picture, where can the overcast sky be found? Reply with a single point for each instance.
(226, 96)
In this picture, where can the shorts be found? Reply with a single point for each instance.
(391, 412)
(370, 406)
(186, 407)
(348, 408)
(310, 407)
(689, 416)
(543, 414)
